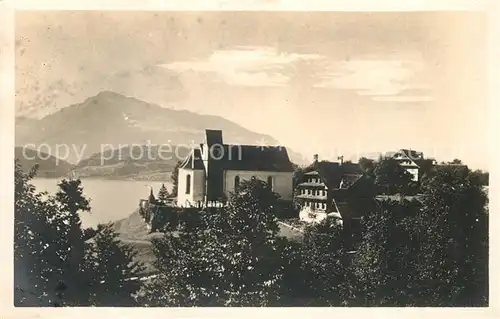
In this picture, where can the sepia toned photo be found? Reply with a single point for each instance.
(251, 159)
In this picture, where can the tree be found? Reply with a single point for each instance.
(227, 257)
(391, 177)
(30, 275)
(432, 252)
(175, 178)
(483, 177)
(163, 194)
(454, 255)
(367, 165)
(49, 243)
(324, 265)
(456, 161)
(50, 250)
(115, 273)
(383, 266)
(425, 167)
(298, 176)
(71, 201)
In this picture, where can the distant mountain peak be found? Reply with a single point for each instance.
(107, 93)
(111, 118)
(109, 96)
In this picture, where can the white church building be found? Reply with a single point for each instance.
(209, 173)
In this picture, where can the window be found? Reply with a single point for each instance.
(188, 184)
(270, 182)
(236, 183)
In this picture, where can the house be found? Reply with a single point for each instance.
(332, 189)
(413, 162)
(209, 173)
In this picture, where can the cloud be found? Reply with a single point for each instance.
(382, 80)
(245, 66)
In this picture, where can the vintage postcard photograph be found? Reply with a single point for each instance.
(251, 159)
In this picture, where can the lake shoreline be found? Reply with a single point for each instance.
(111, 200)
(112, 178)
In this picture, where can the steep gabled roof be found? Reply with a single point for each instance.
(349, 179)
(256, 158)
(412, 154)
(333, 174)
(193, 160)
(329, 172)
(239, 157)
(245, 158)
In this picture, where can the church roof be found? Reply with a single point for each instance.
(193, 160)
(245, 158)
(256, 158)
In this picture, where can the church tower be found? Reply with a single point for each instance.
(213, 158)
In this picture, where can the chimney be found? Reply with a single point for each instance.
(315, 158)
(341, 158)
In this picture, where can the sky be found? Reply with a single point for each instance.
(331, 83)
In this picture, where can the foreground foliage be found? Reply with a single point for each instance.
(225, 257)
(58, 262)
(427, 252)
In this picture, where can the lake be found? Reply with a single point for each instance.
(110, 200)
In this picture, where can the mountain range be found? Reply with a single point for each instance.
(104, 135)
